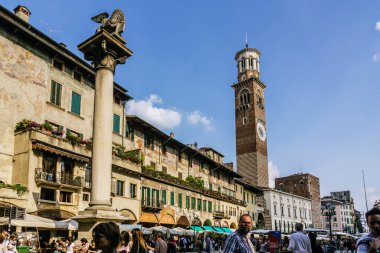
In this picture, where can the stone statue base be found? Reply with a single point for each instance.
(91, 217)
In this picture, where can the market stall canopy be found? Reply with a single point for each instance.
(260, 231)
(128, 227)
(161, 229)
(208, 228)
(197, 228)
(227, 230)
(72, 225)
(38, 222)
(147, 231)
(315, 230)
(219, 230)
(177, 231)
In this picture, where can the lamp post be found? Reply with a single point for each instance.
(328, 211)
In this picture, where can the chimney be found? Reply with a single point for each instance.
(22, 12)
(172, 135)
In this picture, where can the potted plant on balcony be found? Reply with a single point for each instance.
(46, 127)
(22, 125)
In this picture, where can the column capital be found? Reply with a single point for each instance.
(105, 50)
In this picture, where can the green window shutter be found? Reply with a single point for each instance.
(209, 206)
(148, 196)
(164, 196)
(219, 189)
(145, 140)
(81, 136)
(143, 194)
(192, 203)
(52, 92)
(60, 128)
(199, 204)
(180, 200)
(116, 123)
(127, 130)
(152, 140)
(172, 198)
(210, 187)
(75, 102)
(204, 205)
(158, 197)
(132, 134)
(58, 98)
(187, 202)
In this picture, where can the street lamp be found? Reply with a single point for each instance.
(328, 211)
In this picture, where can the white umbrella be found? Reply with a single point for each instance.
(260, 231)
(147, 231)
(72, 225)
(177, 231)
(161, 229)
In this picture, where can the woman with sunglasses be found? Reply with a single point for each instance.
(107, 237)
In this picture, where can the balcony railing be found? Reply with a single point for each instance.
(218, 215)
(44, 176)
(152, 205)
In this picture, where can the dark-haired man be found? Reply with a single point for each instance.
(299, 242)
(370, 243)
(239, 240)
(161, 245)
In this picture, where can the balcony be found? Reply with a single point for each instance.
(218, 215)
(151, 205)
(43, 176)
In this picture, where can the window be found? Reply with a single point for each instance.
(199, 204)
(75, 103)
(65, 197)
(164, 197)
(153, 165)
(210, 186)
(219, 189)
(180, 175)
(288, 211)
(119, 188)
(77, 76)
(75, 134)
(192, 203)
(149, 141)
(172, 198)
(130, 132)
(86, 197)
(132, 191)
(58, 64)
(54, 126)
(275, 209)
(116, 123)
(55, 93)
(180, 200)
(209, 206)
(88, 177)
(187, 202)
(164, 170)
(190, 159)
(204, 205)
(47, 194)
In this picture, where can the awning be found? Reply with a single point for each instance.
(219, 229)
(56, 151)
(197, 228)
(208, 228)
(39, 222)
(227, 230)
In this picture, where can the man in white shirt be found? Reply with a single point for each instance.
(299, 242)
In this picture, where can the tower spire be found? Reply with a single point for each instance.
(246, 40)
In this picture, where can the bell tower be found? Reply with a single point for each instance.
(250, 123)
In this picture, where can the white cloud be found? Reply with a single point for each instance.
(157, 116)
(376, 57)
(273, 172)
(377, 26)
(196, 118)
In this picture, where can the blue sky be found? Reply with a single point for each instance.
(320, 61)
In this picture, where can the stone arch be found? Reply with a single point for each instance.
(53, 214)
(129, 215)
(196, 222)
(260, 221)
(207, 223)
(233, 225)
(150, 218)
(183, 221)
(217, 223)
(225, 224)
(167, 219)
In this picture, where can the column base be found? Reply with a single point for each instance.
(94, 215)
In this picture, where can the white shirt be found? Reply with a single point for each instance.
(70, 248)
(299, 243)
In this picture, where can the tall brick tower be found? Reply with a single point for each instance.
(305, 185)
(251, 139)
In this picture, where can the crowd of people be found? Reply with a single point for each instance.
(108, 239)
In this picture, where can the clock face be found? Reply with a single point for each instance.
(261, 131)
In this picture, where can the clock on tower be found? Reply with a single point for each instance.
(251, 135)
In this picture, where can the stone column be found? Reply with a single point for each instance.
(105, 49)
